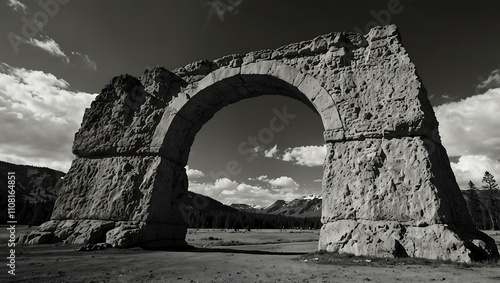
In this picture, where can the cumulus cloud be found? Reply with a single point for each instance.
(469, 130)
(285, 182)
(472, 167)
(281, 184)
(228, 191)
(16, 5)
(193, 173)
(471, 126)
(40, 116)
(492, 82)
(309, 156)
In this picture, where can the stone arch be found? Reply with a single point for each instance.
(388, 188)
(229, 85)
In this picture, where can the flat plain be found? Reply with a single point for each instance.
(232, 256)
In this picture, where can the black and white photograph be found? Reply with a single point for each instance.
(249, 141)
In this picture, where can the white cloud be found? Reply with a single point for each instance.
(285, 182)
(40, 116)
(281, 184)
(213, 190)
(193, 173)
(47, 43)
(470, 129)
(472, 167)
(17, 6)
(471, 126)
(262, 178)
(50, 45)
(309, 156)
(53, 48)
(492, 82)
(271, 152)
(228, 191)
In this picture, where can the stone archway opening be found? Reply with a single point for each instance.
(189, 112)
(388, 188)
(201, 107)
(236, 174)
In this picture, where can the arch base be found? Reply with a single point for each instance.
(393, 239)
(122, 234)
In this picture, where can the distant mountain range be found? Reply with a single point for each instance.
(306, 206)
(200, 202)
(33, 184)
(36, 191)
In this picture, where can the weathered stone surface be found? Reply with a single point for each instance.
(401, 179)
(121, 234)
(38, 237)
(388, 186)
(147, 235)
(119, 200)
(397, 198)
(122, 188)
(394, 239)
(123, 117)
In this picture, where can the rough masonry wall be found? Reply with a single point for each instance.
(396, 197)
(388, 187)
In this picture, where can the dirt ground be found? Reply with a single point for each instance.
(228, 256)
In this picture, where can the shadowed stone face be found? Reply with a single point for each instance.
(388, 189)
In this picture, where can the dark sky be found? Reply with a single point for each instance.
(451, 42)
(454, 45)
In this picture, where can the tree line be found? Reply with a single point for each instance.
(206, 218)
(28, 213)
(484, 204)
